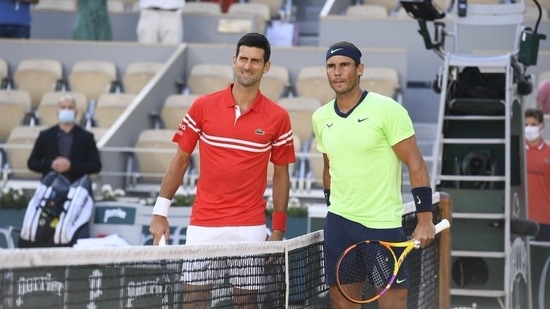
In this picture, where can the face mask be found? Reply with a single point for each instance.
(66, 115)
(532, 133)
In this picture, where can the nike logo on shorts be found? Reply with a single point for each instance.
(400, 281)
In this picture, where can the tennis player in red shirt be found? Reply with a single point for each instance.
(239, 132)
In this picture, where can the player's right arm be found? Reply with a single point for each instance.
(170, 184)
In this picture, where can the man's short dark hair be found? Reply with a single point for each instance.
(535, 113)
(255, 40)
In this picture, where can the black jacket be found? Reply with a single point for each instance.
(84, 155)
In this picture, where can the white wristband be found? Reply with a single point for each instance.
(161, 206)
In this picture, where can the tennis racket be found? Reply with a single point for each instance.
(366, 270)
(165, 279)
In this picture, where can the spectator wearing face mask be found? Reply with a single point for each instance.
(537, 153)
(66, 147)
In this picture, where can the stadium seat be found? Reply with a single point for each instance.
(110, 106)
(444, 5)
(56, 5)
(98, 132)
(260, 10)
(174, 109)
(18, 148)
(154, 150)
(38, 76)
(390, 5)
(312, 82)
(300, 110)
(367, 11)
(138, 74)
(274, 6)
(14, 104)
(92, 78)
(201, 8)
(382, 80)
(276, 82)
(209, 77)
(47, 110)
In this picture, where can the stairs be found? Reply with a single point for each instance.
(306, 14)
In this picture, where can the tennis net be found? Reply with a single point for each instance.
(285, 274)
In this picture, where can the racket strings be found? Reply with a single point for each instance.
(365, 271)
(383, 268)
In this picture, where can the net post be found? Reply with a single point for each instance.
(445, 209)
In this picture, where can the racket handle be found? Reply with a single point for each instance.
(162, 241)
(443, 225)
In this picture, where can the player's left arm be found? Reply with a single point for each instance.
(281, 187)
(408, 152)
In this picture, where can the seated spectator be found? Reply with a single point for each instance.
(68, 150)
(65, 148)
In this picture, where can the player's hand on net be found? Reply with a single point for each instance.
(159, 227)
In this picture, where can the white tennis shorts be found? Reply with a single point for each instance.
(244, 273)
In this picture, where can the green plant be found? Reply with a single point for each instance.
(295, 208)
(297, 211)
(183, 200)
(11, 198)
(108, 194)
(179, 200)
